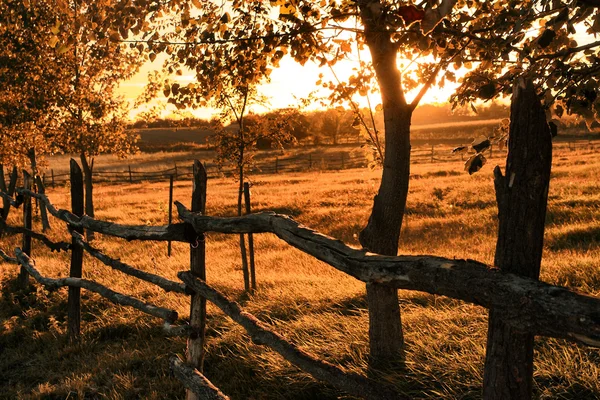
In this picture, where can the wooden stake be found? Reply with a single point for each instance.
(74, 301)
(195, 345)
(522, 197)
(43, 210)
(250, 238)
(170, 211)
(27, 223)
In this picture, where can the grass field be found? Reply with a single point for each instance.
(449, 213)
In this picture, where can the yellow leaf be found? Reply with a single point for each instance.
(62, 49)
(345, 47)
(379, 107)
(55, 29)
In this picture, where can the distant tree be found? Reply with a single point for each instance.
(28, 72)
(63, 64)
(338, 122)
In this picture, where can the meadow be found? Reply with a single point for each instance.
(123, 354)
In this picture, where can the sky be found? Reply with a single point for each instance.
(290, 82)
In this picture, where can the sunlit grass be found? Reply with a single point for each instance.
(449, 213)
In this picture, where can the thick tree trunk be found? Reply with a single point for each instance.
(89, 194)
(382, 232)
(522, 198)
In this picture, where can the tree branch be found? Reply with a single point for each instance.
(526, 304)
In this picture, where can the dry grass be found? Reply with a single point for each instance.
(123, 354)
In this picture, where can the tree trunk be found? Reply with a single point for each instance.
(89, 196)
(522, 199)
(382, 232)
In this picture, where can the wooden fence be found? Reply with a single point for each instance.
(526, 304)
(303, 162)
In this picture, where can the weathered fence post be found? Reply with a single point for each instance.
(195, 346)
(77, 207)
(130, 177)
(522, 196)
(276, 165)
(343, 161)
(52, 172)
(250, 238)
(170, 211)
(12, 184)
(432, 152)
(176, 171)
(43, 211)
(27, 224)
(310, 161)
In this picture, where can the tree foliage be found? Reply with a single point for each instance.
(61, 67)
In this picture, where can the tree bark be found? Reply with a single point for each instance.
(522, 200)
(382, 232)
(88, 169)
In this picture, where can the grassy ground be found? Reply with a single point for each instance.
(124, 355)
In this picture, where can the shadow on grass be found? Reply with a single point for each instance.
(580, 238)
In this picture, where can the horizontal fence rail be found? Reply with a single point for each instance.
(526, 304)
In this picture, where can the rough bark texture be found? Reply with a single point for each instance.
(522, 198)
(382, 232)
(75, 271)
(89, 191)
(525, 303)
(261, 334)
(195, 344)
(118, 298)
(195, 381)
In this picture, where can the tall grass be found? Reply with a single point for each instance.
(449, 213)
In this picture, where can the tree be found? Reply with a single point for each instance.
(28, 72)
(338, 122)
(555, 75)
(93, 64)
(62, 67)
(219, 40)
(433, 35)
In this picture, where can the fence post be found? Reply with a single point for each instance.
(170, 211)
(12, 183)
(250, 238)
(195, 345)
(276, 165)
(310, 161)
(130, 177)
(522, 192)
(27, 223)
(343, 161)
(77, 207)
(432, 152)
(176, 171)
(43, 211)
(52, 172)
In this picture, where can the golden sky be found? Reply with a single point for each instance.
(290, 82)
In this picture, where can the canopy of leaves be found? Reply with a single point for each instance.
(61, 65)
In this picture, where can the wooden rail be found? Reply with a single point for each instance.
(526, 304)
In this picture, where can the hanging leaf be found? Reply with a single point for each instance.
(475, 163)
(460, 150)
(481, 144)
